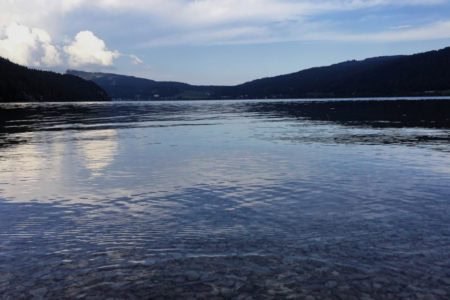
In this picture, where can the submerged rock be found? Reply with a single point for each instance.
(192, 276)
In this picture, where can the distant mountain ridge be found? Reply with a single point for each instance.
(19, 83)
(129, 87)
(423, 74)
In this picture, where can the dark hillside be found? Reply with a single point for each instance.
(18, 83)
(414, 75)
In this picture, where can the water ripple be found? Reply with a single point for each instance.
(270, 199)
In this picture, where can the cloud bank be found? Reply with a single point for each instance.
(200, 22)
(33, 32)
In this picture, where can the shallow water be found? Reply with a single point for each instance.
(270, 199)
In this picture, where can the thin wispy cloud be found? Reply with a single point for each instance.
(135, 60)
(438, 30)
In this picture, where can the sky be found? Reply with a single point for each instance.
(221, 42)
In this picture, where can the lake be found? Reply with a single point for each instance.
(228, 199)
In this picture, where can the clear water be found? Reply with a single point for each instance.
(127, 198)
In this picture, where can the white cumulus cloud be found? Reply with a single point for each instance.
(87, 49)
(34, 47)
(28, 46)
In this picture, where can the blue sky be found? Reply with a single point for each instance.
(215, 41)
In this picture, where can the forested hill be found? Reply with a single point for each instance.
(424, 74)
(18, 83)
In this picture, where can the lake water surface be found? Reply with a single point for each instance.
(203, 199)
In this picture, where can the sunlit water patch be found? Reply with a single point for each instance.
(202, 199)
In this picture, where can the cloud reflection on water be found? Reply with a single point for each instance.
(97, 149)
(90, 185)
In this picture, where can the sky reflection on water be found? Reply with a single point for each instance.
(183, 144)
(149, 180)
